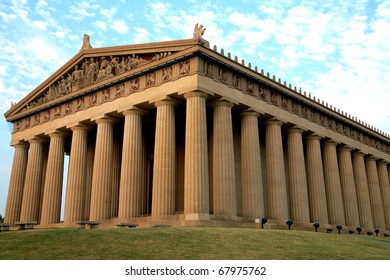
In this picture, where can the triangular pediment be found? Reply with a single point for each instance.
(93, 67)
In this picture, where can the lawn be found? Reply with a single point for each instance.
(188, 243)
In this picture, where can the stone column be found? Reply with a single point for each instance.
(16, 184)
(385, 189)
(52, 191)
(276, 176)
(252, 183)
(299, 200)
(88, 178)
(224, 179)
(378, 213)
(316, 180)
(332, 184)
(116, 175)
(348, 187)
(102, 170)
(362, 193)
(164, 169)
(130, 190)
(74, 200)
(33, 181)
(196, 172)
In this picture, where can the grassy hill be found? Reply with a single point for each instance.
(189, 243)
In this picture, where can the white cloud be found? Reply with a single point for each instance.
(102, 25)
(40, 25)
(108, 13)
(82, 10)
(7, 17)
(141, 35)
(120, 26)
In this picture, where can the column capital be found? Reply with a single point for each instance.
(57, 133)
(274, 121)
(359, 153)
(106, 119)
(383, 162)
(36, 139)
(371, 158)
(330, 142)
(314, 136)
(196, 93)
(167, 101)
(345, 148)
(295, 129)
(20, 144)
(134, 111)
(80, 126)
(222, 102)
(250, 112)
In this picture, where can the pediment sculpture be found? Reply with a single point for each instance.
(93, 70)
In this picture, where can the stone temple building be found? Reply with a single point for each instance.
(183, 134)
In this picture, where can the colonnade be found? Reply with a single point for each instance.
(309, 179)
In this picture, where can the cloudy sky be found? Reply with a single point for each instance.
(337, 50)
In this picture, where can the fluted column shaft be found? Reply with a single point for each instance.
(196, 170)
(224, 179)
(102, 171)
(348, 187)
(378, 213)
(88, 178)
(164, 169)
(116, 175)
(33, 182)
(252, 183)
(74, 200)
(362, 193)
(299, 200)
(276, 176)
(16, 184)
(332, 184)
(130, 190)
(316, 180)
(52, 191)
(385, 190)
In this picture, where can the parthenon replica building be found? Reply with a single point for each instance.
(181, 133)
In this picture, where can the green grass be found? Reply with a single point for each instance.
(188, 244)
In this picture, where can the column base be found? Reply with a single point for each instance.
(196, 217)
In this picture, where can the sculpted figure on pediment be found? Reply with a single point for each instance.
(77, 78)
(105, 70)
(52, 93)
(92, 70)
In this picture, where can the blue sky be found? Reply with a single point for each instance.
(337, 50)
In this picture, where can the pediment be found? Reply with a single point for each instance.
(92, 68)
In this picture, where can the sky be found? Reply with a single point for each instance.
(338, 51)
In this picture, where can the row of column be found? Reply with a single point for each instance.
(323, 184)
